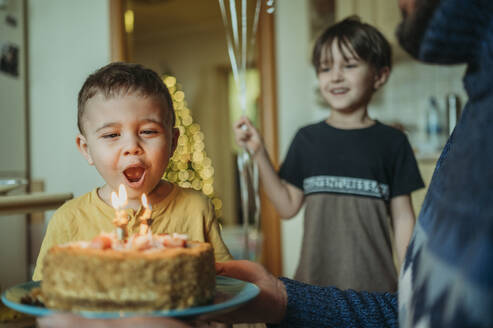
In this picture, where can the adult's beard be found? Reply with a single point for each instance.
(411, 30)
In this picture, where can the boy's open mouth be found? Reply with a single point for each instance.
(339, 91)
(134, 174)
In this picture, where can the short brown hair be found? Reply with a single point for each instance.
(123, 78)
(365, 40)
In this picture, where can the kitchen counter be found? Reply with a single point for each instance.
(33, 202)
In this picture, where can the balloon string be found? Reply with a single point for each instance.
(256, 216)
(255, 23)
(249, 185)
(229, 43)
(243, 33)
(234, 21)
(244, 200)
(243, 89)
(238, 51)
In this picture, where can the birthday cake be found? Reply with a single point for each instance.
(144, 273)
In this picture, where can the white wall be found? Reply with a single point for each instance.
(68, 39)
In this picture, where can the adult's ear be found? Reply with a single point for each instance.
(381, 77)
(416, 16)
(407, 7)
(84, 148)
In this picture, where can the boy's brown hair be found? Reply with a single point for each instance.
(123, 78)
(364, 40)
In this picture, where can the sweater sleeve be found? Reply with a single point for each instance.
(313, 306)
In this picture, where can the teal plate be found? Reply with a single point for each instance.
(230, 294)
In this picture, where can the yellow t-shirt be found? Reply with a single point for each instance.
(184, 211)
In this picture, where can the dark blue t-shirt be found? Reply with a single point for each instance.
(376, 161)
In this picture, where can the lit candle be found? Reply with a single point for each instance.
(121, 219)
(145, 219)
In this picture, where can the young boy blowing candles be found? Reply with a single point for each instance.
(350, 170)
(126, 124)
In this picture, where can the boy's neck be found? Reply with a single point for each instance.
(353, 120)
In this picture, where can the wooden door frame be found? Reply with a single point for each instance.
(117, 31)
(270, 221)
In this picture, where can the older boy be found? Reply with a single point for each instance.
(349, 170)
(125, 118)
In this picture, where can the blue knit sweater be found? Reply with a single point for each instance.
(447, 276)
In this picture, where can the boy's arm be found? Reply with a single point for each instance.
(286, 197)
(403, 219)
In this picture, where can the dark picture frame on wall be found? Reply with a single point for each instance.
(9, 59)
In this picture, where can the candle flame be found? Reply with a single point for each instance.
(122, 195)
(145, 203)
(144, 200)
(147, 213)
(115, 201)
